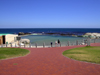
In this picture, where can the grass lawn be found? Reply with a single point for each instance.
(88, 53)
(12, 52)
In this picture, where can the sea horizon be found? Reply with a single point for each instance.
(49, 30)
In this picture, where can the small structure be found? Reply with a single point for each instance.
(11, 38)
(7, 38)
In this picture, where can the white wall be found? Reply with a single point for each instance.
(10, 38)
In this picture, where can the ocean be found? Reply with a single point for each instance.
(47, 39)
(47, 30)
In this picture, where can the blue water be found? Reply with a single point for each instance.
(49, 30)
(47, 39)
(40, 39)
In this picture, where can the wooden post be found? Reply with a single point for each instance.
(24, 44)
(60, 44)
(80, 42)
(68, 43)
(19, 45)
(15, 44)
(43, 44)
(11, 44)
(72, 43)
(94, 40)
(77, 42)
(83, 41)
(88, 42)
(30, 45)
(36, 45)
(2, 45)
(6, 45)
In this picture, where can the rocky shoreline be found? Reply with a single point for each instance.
(88, 35)
(92, 35)
(22, 33)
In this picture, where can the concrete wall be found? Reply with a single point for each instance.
(11, 38)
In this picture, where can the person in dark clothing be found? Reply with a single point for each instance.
(51, 44)
(58, 42)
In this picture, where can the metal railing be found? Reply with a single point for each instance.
(68, 43)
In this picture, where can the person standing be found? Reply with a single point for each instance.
(58, 42)
(51, 44)
(55, 43)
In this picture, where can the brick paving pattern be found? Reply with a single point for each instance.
(48, 61)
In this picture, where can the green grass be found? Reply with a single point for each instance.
(88, 53)
(12, 52)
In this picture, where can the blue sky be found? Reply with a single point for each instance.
(49, 13)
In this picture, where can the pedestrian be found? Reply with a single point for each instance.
(55, 43)
(51, 44)
(58, 42)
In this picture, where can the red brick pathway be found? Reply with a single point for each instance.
(48, 61)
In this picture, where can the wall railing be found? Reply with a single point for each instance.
(68, 43)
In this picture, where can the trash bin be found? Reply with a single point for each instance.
(6, 42)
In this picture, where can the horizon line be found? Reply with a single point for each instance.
(49, 28)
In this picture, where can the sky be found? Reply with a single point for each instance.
(49, 13)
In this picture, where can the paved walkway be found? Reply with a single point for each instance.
(47, 61)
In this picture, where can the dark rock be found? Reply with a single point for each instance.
(22, 33)
(63, 34)
(51, 33)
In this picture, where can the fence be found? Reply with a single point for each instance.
(68, 43)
